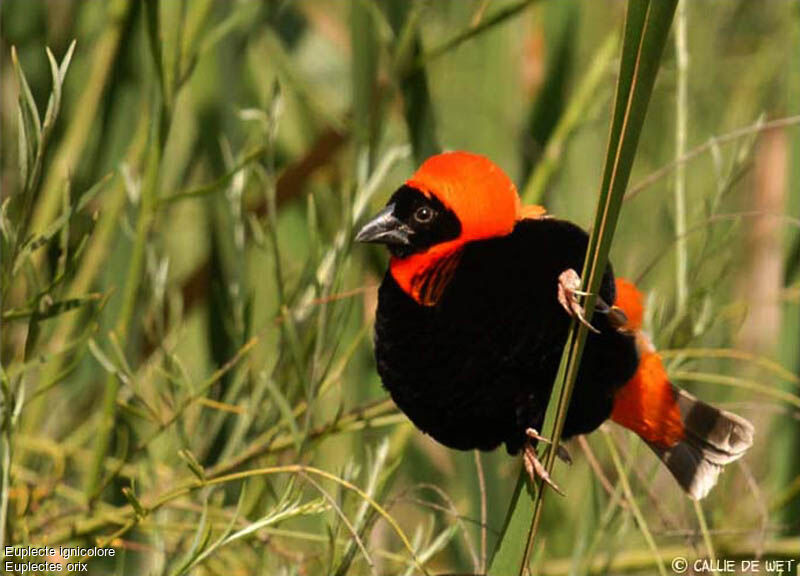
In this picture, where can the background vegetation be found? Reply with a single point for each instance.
(187, 370)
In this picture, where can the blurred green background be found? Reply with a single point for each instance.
(185, 323)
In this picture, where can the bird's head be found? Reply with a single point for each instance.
(454, 198)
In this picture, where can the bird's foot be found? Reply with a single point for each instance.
(569, 284)
(562, 452)
(535, 468)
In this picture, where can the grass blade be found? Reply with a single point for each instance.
(26, 102)
(581, 101)
(366, 103)
(485, 25)
(420, 119)
(634, 507)
(551, 100)
(646, 27)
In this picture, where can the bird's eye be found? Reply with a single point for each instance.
(423, 214)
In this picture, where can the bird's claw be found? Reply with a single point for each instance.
(617, 318)
(562, 452)
(569, 284)
(568, 291)
(533, 434)
(535, 468)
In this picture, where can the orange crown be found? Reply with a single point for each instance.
(480, 194)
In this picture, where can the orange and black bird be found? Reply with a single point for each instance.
(472, 318)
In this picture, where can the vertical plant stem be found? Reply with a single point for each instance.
(270, 190)
(788, 441)
(7, 447)
(681, 116)
(148, 202)
(366, 106)
(412, 79)
(637, 513)
(701, 520)
(482, 487)
(128, 306)
(582, 99)
(6, 487)
(647, 25)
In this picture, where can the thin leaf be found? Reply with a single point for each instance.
(634, 507)
(200, 550)
(310, 508)
(732, 353)
(51, 309)
(365, 516)
(66, 61)
(106, 362)
(201, 537)
(485, 25)
(27, 102)
(437, 545)
(570, 120)
(191, 461)
(355, 537)
(23, 154)
(285, 409)
(58, 73)
(701, 521)
(736, 382)
(418, 107)
(54, 103)
(40, 240)
(559, 24)
(34, 329)
(366, 107)
(63, 237)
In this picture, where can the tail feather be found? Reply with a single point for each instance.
(712, 439)
(693, 439)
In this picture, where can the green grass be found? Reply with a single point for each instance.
(187, 370)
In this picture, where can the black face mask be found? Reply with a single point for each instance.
(411, 223)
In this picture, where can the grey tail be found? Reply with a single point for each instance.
(712, 439)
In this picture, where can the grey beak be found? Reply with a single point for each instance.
(385, 228)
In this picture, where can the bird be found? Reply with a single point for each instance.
(473, 313)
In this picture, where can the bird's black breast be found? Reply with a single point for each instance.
(477, 368)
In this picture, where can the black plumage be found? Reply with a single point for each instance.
(477, 369)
